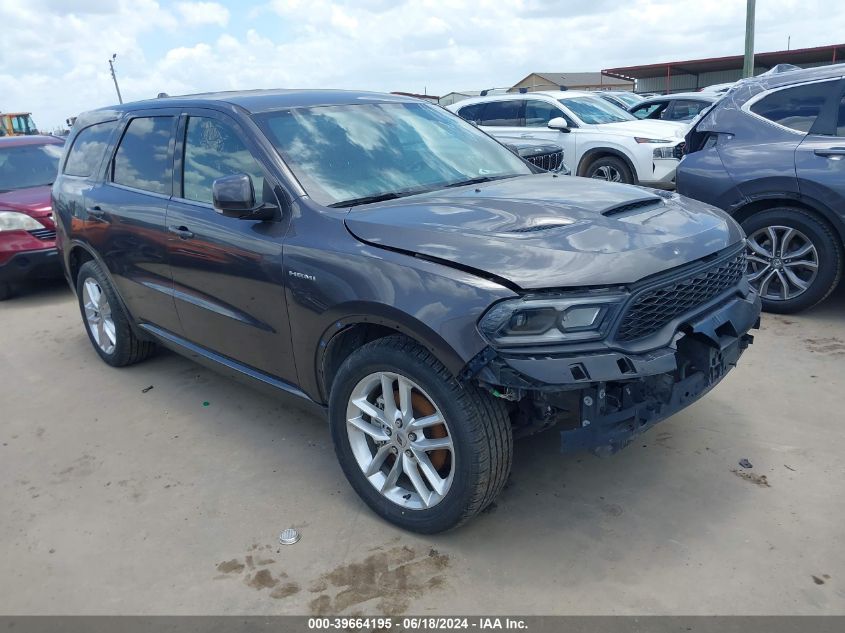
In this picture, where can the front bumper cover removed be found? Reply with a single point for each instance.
(603, 400)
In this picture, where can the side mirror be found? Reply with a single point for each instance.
(558, 123)
(234, 197)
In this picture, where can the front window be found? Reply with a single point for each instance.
(352, 154)
(27, 166)
(23, 124)
(595, 110)
(212, 150)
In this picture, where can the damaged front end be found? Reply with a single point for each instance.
(669, 342)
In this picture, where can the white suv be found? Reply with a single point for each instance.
(599, 139)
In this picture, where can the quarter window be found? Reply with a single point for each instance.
(840, 119)
(212, 150)
(88, 149)
(143, 159)
(796, 108)
(502, 113)
(539, 113)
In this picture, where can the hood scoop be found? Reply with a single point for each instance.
(540, 227)
(631, 206)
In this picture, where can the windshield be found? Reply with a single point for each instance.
(595, 110)
(26, 166)
(352, 154)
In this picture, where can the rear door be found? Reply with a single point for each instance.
(820, 158)
(227, 273)
(504, 117)
(124, 215)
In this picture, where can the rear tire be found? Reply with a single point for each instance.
(106, 322)
(795, 260)
(611, 169)
(5, 291)
(475, 425)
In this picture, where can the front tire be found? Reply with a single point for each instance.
(106, 322)
(430, 455)
(611, 169)
(5, 291)
(794, 259)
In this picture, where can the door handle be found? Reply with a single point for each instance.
(181, 231)
(96, 211)
(830, 152)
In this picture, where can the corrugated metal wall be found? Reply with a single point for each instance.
(691, 83)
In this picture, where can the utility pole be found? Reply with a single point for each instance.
(748, 64)
(114, 77)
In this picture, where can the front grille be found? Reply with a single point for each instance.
(550, 161)
(44, 234)
(655, 307)
(679, 150)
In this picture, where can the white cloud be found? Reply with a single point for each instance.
(53, 60)
(196, 13)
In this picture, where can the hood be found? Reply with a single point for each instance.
(34, 201)
(648, 128)
(542, 231)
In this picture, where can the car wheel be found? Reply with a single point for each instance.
(794, 260)
(5, 291)
(424, 451)
(610, 168)
(106, 321)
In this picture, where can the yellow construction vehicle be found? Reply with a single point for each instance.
(17, 124)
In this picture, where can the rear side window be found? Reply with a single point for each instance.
(212, 150)
(471, 112)
(88, 149)
(840, 119)
(143, 160)
(502, 113)
(796, 108)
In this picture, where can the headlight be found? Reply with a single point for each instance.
(664, 152)
(640, 139)
(14, 221)
(538, 321)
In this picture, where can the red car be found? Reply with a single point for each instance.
(28, 167)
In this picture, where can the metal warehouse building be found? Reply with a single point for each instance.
(690, 75)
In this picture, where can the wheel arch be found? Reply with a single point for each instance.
(80, 253)
(600, 152)
(348, 333)
(772, 201)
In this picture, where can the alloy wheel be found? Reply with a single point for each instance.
(607, 172)
(782, 262)
(400, 440)
(98, 315)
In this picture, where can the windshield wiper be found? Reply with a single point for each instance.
(476, 181)
(379, 197)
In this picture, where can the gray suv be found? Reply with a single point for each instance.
(433, 294)
(772, 154)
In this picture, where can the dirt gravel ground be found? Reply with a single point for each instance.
(121, 500)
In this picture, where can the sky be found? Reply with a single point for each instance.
(54, 53)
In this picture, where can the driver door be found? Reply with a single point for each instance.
(227, 272)
(538, 113)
